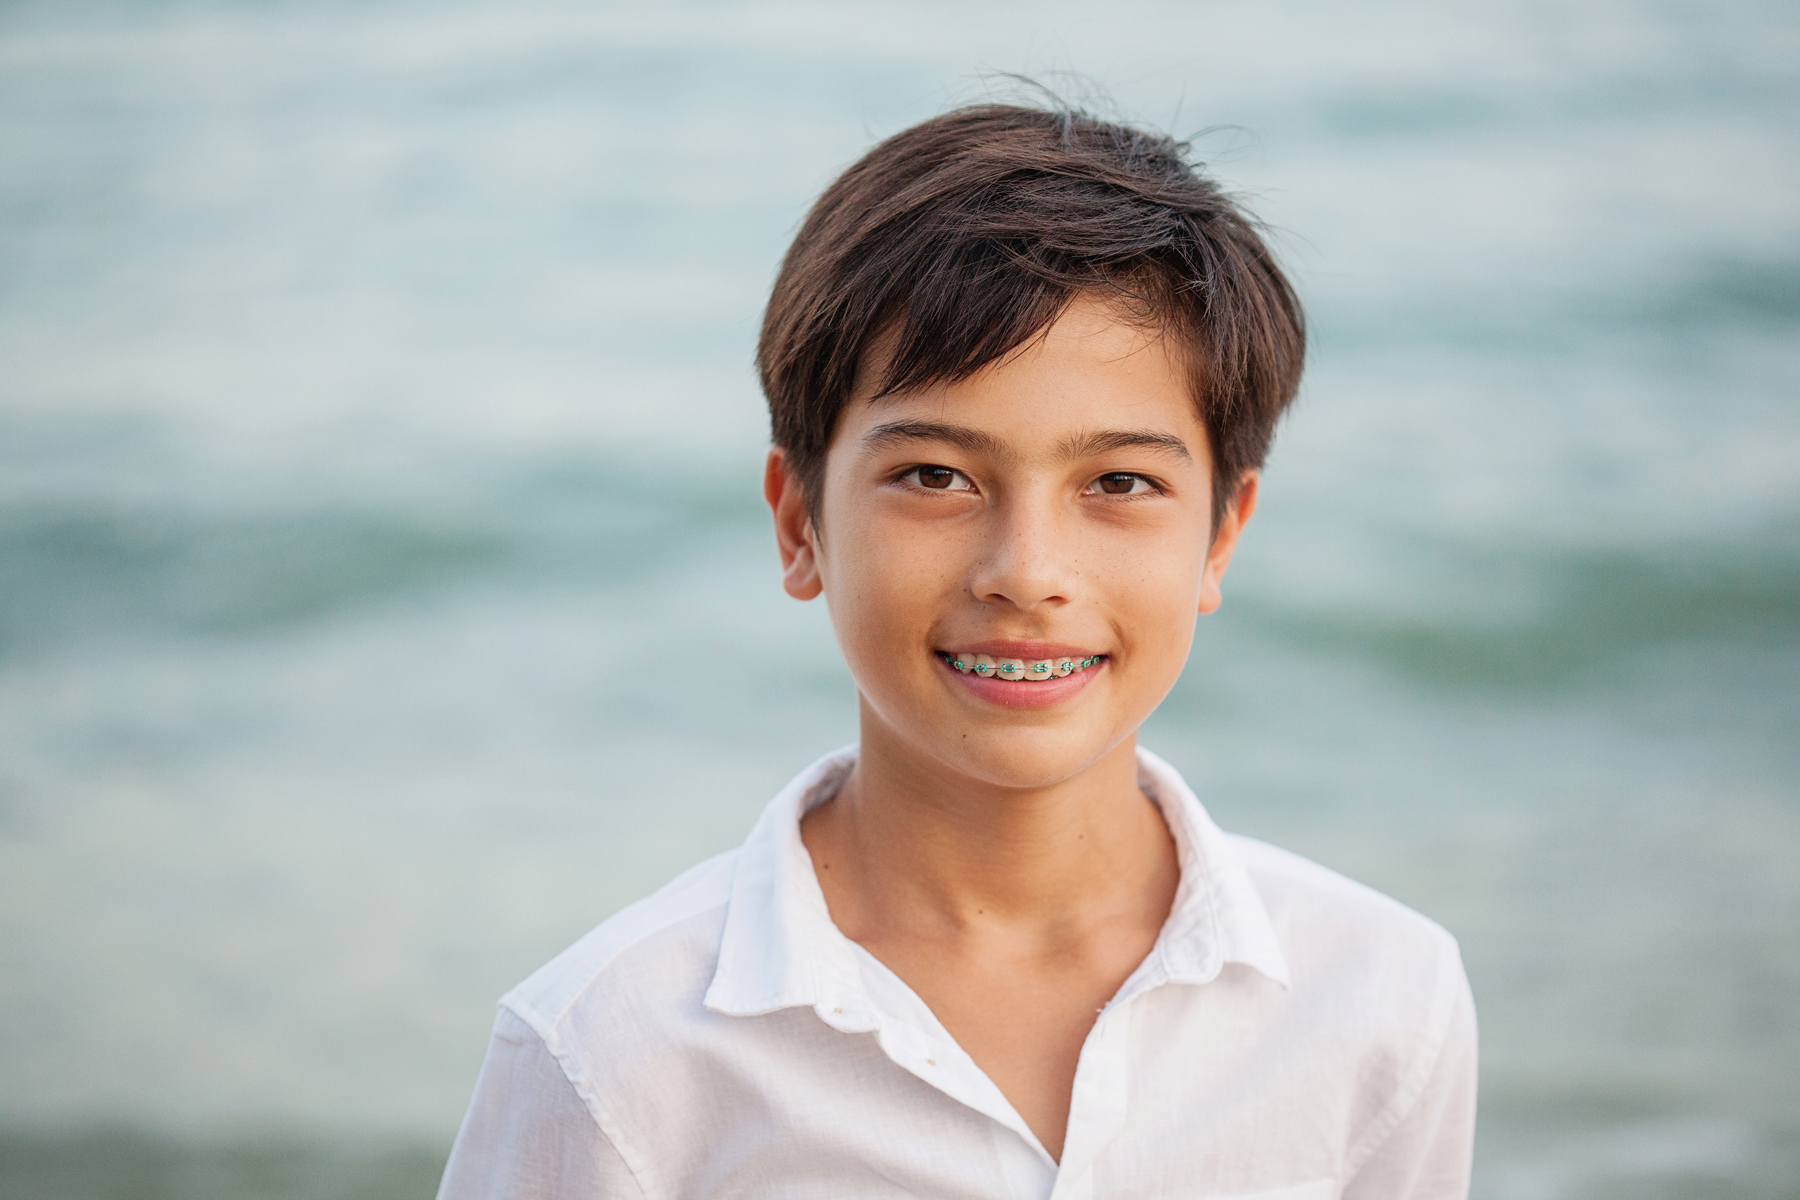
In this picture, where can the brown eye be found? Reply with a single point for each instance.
(938, 479)
(1117, 484)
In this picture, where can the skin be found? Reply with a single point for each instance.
(1000, 859)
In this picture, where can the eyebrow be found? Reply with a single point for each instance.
(974, 441)
(961, 436)
(1089, 444)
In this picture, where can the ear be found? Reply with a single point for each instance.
(794, 535)
(1231, 526)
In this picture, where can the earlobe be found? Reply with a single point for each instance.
(793, 529)
(1231, 527)
(1210, 594)
(800, 573)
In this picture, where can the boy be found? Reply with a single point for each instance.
(1023, 368)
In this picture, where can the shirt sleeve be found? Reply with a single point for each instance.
(528, 1135)
(1427, 1155)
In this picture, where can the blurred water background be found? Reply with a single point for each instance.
(377, 426)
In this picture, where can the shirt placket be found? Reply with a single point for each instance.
(1097, 1103)
(913, 1039)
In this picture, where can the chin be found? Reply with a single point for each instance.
(1025, 759)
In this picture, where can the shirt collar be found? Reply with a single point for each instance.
(779, 948)
(1218, 917)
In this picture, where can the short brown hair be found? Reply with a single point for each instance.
(970, 233)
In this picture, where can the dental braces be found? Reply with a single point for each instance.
(1013, 668)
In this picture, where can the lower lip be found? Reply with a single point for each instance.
(1045, 693)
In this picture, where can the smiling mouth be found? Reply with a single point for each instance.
(1020, 670)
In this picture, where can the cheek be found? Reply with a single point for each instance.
(886, 582)
(1160, 600)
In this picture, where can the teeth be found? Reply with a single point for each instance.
(989, 667)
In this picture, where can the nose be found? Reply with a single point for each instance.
(1026, 561)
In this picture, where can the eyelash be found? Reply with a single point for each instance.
(911, 474)
(1150, 485)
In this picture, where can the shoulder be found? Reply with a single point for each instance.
(1377, 990)
(658, 954)
(1380, 988)
(1360, 961)
(1314, 909)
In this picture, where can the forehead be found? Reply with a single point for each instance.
(1090, 370)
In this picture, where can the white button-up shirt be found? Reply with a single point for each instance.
(1291, 1036)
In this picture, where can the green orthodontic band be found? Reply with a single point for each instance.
(1009, 671)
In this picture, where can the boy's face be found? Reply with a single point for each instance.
(1054, 509)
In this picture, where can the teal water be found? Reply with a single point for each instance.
(376, 425)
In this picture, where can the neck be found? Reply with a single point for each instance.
(909, 846)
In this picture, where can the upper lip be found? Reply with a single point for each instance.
(1036, 650)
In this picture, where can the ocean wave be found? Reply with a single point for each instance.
(1579, 610)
